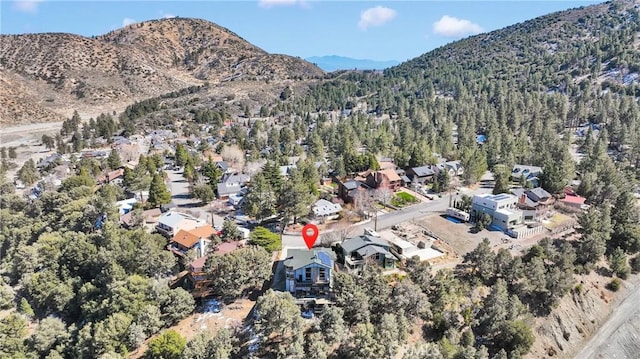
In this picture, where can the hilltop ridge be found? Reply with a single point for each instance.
(47, 74)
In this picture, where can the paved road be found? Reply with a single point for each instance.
(621, 315)
(179, 188)
(438, 205)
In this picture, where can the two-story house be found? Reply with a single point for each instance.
(170, 223)
(421, 174)
(360, 250)
(502, 208)
(530, 174)
(309, 273)
(232, 184)
(534, 202)
(384, 179)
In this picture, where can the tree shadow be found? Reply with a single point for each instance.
(605, 272)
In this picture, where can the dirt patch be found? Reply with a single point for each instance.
(230, 316)
(458, 236)
(579, 315)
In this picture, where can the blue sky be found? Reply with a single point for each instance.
(379, 30)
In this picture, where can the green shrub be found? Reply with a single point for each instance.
(614, 285)
(635, 264)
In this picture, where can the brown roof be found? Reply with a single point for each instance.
(198, 264)
(391, 175)
(185, 239)
(384, 165)
(227, 247)
(204, 231)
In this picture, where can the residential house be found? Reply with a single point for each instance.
(149, 217)
(197, 280)
(125, 206)
(52, 160)
(363, 249)
(453, 168)
(197, 238)
(232, 183)
(387, 165)
(309, 273)
(286, 170)
(574, 201)
(534, 203)
(531, 174)
(404, 249)
(502, 208)
(384, 179)
(223, 166)
(170, 223)
(422, 174)
(115, 176)
(324, 209)
(347, 190)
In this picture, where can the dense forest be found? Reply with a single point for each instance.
(100, 292)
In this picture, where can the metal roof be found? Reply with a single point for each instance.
(299, 258)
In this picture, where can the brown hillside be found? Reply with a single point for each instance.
(42, 75)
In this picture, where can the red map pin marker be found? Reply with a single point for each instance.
(310, 234)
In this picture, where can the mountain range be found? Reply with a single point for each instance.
(334, 62)
(47, 75)
(44, 77)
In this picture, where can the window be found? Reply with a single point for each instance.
(307, 274)
(323, 274)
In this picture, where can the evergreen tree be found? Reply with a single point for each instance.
(158, 193)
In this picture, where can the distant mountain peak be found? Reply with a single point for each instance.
(337, 62)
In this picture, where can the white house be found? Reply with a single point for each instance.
(125, 206)
(326, 210)
(502, 208)
(172, 222)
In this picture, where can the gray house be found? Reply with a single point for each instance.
(309, 273)
(363, 249)
(421, 174)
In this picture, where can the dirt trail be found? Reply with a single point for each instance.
(619, 336)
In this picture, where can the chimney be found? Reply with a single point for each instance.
(523, 198)
(203, 247)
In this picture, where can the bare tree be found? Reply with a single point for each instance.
(252, 168)
(234, 156)
(337, 232)
(365, 202)
(384, 195)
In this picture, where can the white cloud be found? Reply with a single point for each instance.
(168, 16)
(453, 27)
(127, 21)
(26, 5)
(376, 16)
(272, 3)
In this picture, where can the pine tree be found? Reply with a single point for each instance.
(158, 193)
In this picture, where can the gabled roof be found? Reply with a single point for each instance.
(185, 239)
(171, 219)
(355, 243)
(538, 194)
(300, 258)
(423, 171)
(235, 178)
(223, 165)
(225, 189)
(527, 171)
(391, 175)
(351, 184)
(203, 231)
(574, 199)
(371, 250)
(322, 207)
